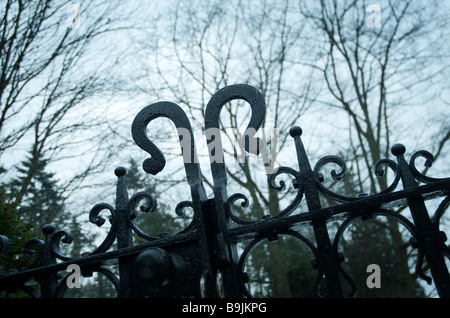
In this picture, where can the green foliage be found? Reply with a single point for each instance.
(29, 201)
(18, 232)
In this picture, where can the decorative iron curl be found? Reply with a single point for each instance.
(94, 214)
(50, 248)
(55, 241)
(231, 213)
(39, 248)
(179, 211)
(336, 176)
(151, 208)
(182, 205)
(257, 103)
(30, 248)
(282, 185)
(379, 172)
(254, 244)
(331, 159)
(271, 178)
(428, 163)
(95, 218)
(136, 198)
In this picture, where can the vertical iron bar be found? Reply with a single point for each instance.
(49, 282)
(430, 240)
(199, 200)
(328, 258)
(223, 251)
(124, 235)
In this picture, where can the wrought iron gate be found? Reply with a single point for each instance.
(202, 260)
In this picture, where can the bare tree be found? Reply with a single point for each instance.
(383, 66)
(374, 73)
(50, 69)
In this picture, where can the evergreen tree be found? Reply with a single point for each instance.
(36, 190)
(18, 232)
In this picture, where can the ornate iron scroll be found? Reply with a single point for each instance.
(203, 260)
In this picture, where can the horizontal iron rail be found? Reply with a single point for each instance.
(361, 205)
(16, 278)
(269, 225)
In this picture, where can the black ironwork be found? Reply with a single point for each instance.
(203, 259)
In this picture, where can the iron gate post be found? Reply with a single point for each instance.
(48, 283)
(222, 252)
(225, 258)
(123, 234)
(430, 240)
(328, 261)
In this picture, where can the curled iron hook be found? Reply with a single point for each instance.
(250, 143)
(157, 161)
